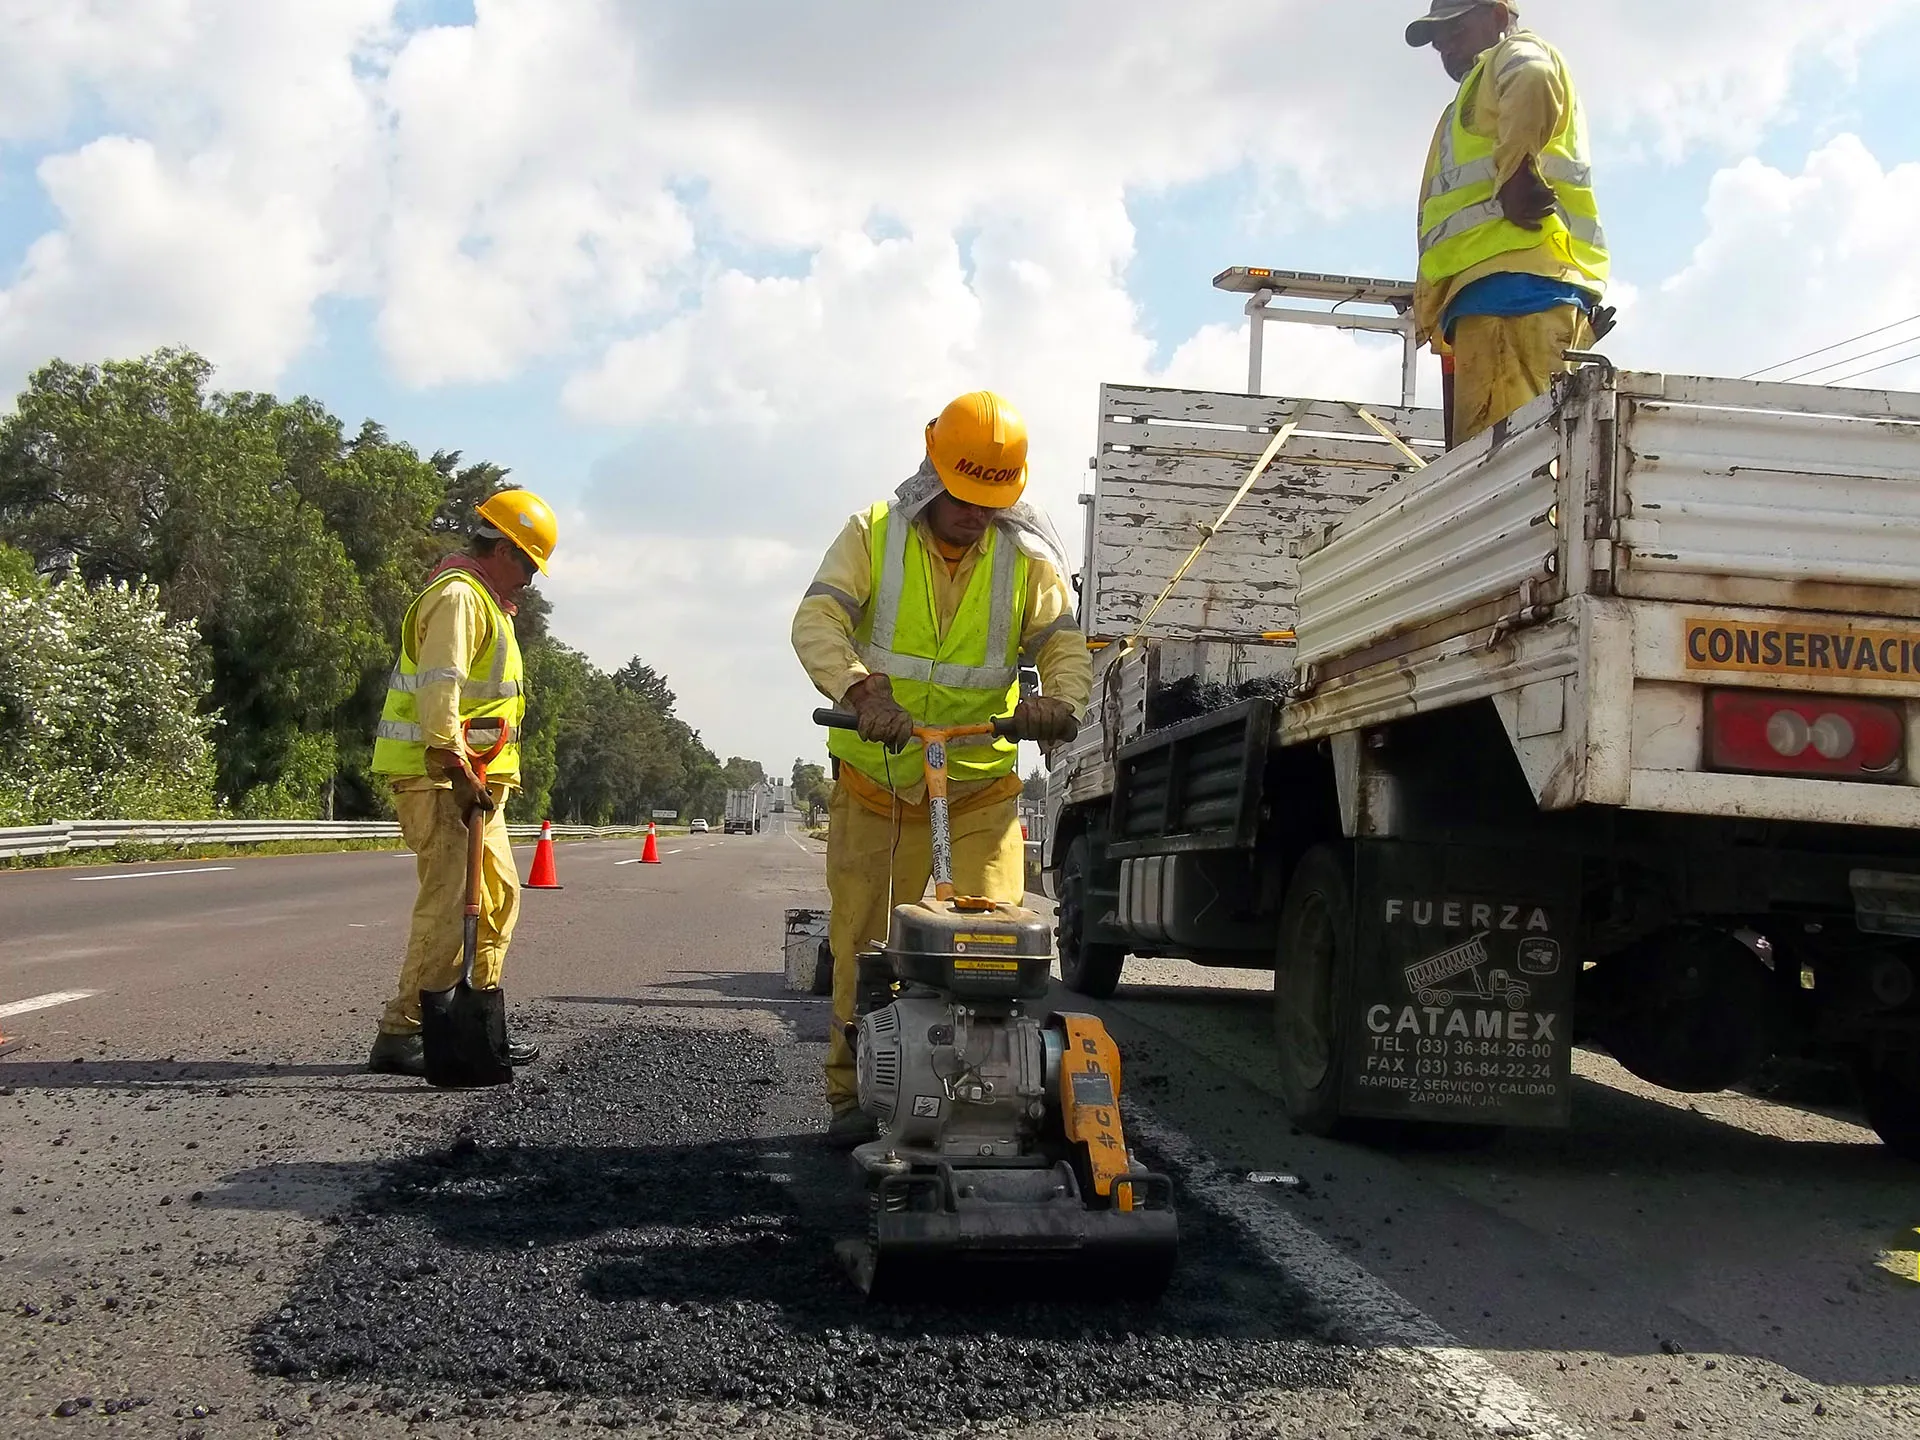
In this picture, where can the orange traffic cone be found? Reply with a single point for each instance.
(544, 876)
(650, 852)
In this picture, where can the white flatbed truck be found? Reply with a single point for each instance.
(1620, 702)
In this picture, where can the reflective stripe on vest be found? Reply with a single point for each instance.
(400, 743)
(969, 676)
(1462, 224)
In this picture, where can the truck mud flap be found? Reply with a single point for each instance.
(1459, 1008)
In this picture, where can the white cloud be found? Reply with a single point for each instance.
(149, 255)
(230, 200)
(765, 240)
(1712, 72)
(1792, 263)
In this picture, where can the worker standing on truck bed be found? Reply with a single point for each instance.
(459, 661)
(922, 613)
(1513, 259)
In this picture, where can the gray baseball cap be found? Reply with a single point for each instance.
(1421, 31)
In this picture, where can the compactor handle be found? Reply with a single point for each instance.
(1002, 728)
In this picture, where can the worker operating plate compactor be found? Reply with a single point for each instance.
(1001, 1142)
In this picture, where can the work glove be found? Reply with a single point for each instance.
(882, 720)
(1605, 317)
(468, 792)
(1527, 200)
(1045, 721)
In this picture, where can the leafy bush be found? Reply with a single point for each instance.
(100, 704)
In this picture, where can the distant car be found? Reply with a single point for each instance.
(698, 827)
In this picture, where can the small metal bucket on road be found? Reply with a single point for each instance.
(809, 955)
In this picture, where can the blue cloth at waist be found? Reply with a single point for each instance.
(1510, 293)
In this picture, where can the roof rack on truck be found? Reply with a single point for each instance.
(1263, 287)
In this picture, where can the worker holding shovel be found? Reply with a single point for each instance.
(449, 741)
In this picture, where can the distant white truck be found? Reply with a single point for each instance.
(746, 811)
(1604, 725)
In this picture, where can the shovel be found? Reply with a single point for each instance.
(464, 1030)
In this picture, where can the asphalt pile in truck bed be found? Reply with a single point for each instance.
(621, 1227)
(1191, 698)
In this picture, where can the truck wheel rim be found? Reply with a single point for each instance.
(1305, 982)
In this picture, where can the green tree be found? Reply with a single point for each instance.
(1034, 787)
(738, 774)
(131, 472)
(557, 679)
(286, 551)
(811, 788)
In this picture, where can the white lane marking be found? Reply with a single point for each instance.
(151, 874)
(44, 1002)
(798, 842)
(1364, 1306)
(626, 862)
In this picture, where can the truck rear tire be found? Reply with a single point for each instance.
(1316, 956)
(1085, 968)
(1891, 1086)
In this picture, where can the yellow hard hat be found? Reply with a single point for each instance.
(979, 447)
(527, 520)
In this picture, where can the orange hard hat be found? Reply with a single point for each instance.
(527, 520)
(979, 447)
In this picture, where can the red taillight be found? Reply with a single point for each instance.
(1804, 735)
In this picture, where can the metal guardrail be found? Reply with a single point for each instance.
(69, 835)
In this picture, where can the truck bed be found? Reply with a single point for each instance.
(1169, 464)
(1597, 562)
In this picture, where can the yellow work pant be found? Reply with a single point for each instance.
(433, 828)
(875, 863)
(1503, 363)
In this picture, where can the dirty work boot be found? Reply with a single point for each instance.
(851, 1126)
(398, 1055)
(519, 1052)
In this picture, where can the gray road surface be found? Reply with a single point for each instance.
(184, 1153)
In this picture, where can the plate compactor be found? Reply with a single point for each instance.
(1001, 1143)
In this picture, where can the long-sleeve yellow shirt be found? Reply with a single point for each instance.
(1521, 104)
(824, 625)
(451, 628)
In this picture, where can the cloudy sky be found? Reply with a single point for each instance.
(700, 270)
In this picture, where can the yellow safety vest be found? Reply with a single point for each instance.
(970, 676)
(494, 689)
(1461, 222)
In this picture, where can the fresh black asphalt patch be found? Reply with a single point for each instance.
(619, 1227)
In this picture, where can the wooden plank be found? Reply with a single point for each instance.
(1203, 407)
(1369, 451)
(1137, 534)
(1200, 616)
(1202, 478)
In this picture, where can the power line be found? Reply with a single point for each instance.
(1825, 349)
(1851, 359)
(1874, 369)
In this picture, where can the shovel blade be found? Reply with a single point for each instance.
(464, 1031)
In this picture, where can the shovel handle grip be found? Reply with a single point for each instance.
(847, 720)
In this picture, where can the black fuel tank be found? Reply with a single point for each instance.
(1003, 953)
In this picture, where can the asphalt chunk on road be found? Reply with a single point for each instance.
(621, 1228)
